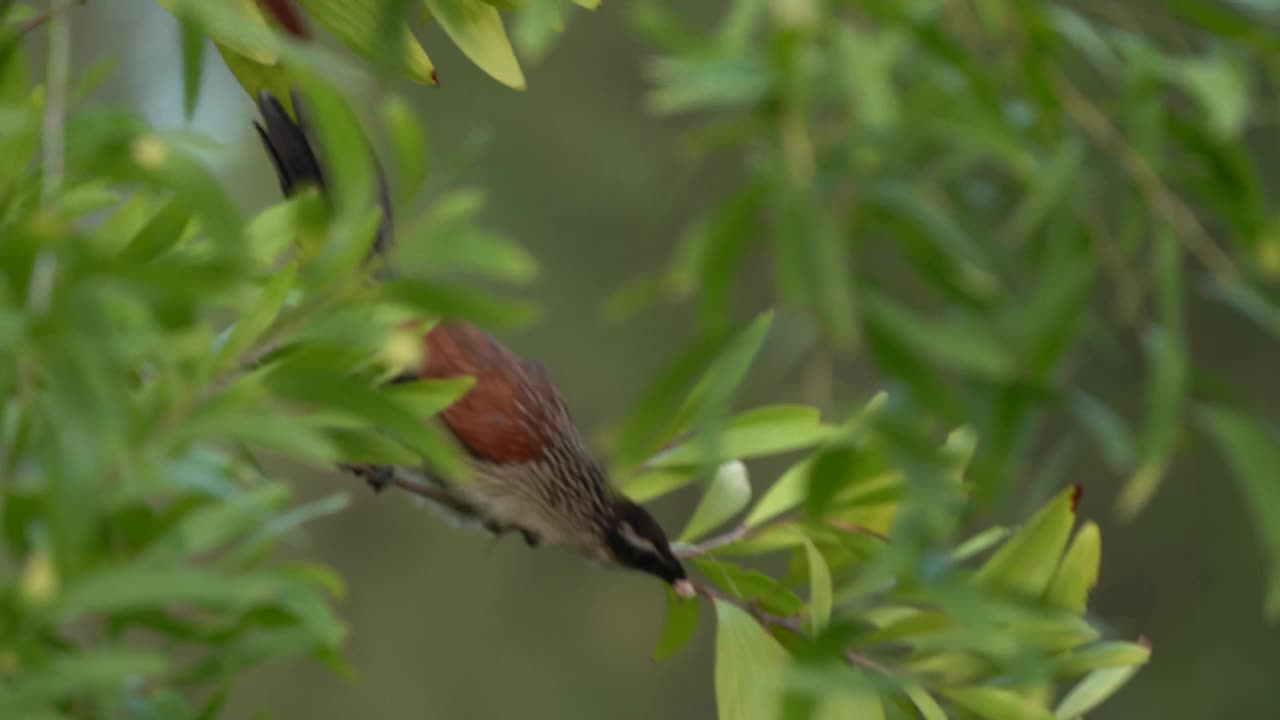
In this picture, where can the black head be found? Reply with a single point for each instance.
(635, 540)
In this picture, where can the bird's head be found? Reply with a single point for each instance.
(634, 540)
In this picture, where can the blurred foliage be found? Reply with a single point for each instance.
(1050, 182)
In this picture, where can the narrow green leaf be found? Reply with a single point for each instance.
(409, 141)
(1092, 691)
(358, 24)
(1025, 564)
(994, 703)
(217, 524)
(89, 670)
(963, 346)
(749, 663)
(1107, 430)
(819, 588)
(682, 621)
(250, 328)
(1101, 656)
(652, 484)
(727, 494)
(477, 29)
(1078, 572)
(173, 168)
(320, 388)
(980, 543)
(192, 42)
(751, 586)
(1253, 453)
(755, 433)
(368, 447)
(924, 702)
(456, 303)
(163, 231)
(139, 588)
(1169, 372)
(785, 494)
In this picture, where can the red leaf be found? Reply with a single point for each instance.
(284, 13)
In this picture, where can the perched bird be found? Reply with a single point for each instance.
(531, 470)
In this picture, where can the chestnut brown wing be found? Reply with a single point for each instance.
(513, 412)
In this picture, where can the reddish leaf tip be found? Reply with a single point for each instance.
(1144, 641)
(435, 77)
(284, 13)
(1077, 492)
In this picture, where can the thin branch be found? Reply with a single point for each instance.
(1163, 201)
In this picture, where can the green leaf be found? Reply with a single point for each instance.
(250, 327)
(1107, 430)
(980, 543)
(961, 345)
(172, 167)
(429, 397)
(88, 670)
(755, 433)
(192, 43)
(1253, 453)
(1092, 691)
(409, 141)
(785, 494)
(860, 704)
(140, 588)
(476, 28)
(751, 586)
(1078, 572)
(682, 621)
(257, 75)
(652, 484)
(1169, 372)
(320, 388)
(1026, 563)
(1101, 656)
(217, 524)
(727, 494)
(369, 447)
(994, 703)
(749, 663)
(163, 231)
(819, 588)
(1220, 84)
(924, 702)
(357, 23)
(455, 303)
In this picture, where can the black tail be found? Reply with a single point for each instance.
(289, 145)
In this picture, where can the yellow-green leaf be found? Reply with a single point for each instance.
(856, 704)
(924, 702)
(356, 23)
(819, 587)
(1026, 563)
(727, 494)
(477, 29)
(1078, 572)
(1092, 691)
(682, 621)
(1101, 656)
(749, 662)
(997, 704)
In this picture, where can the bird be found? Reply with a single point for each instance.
(530, 470)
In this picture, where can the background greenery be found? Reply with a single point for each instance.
(463, 627)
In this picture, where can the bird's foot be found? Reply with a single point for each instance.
(378, 476)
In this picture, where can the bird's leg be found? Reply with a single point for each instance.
(378, 476)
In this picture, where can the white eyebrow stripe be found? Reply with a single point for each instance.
(635, 540)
